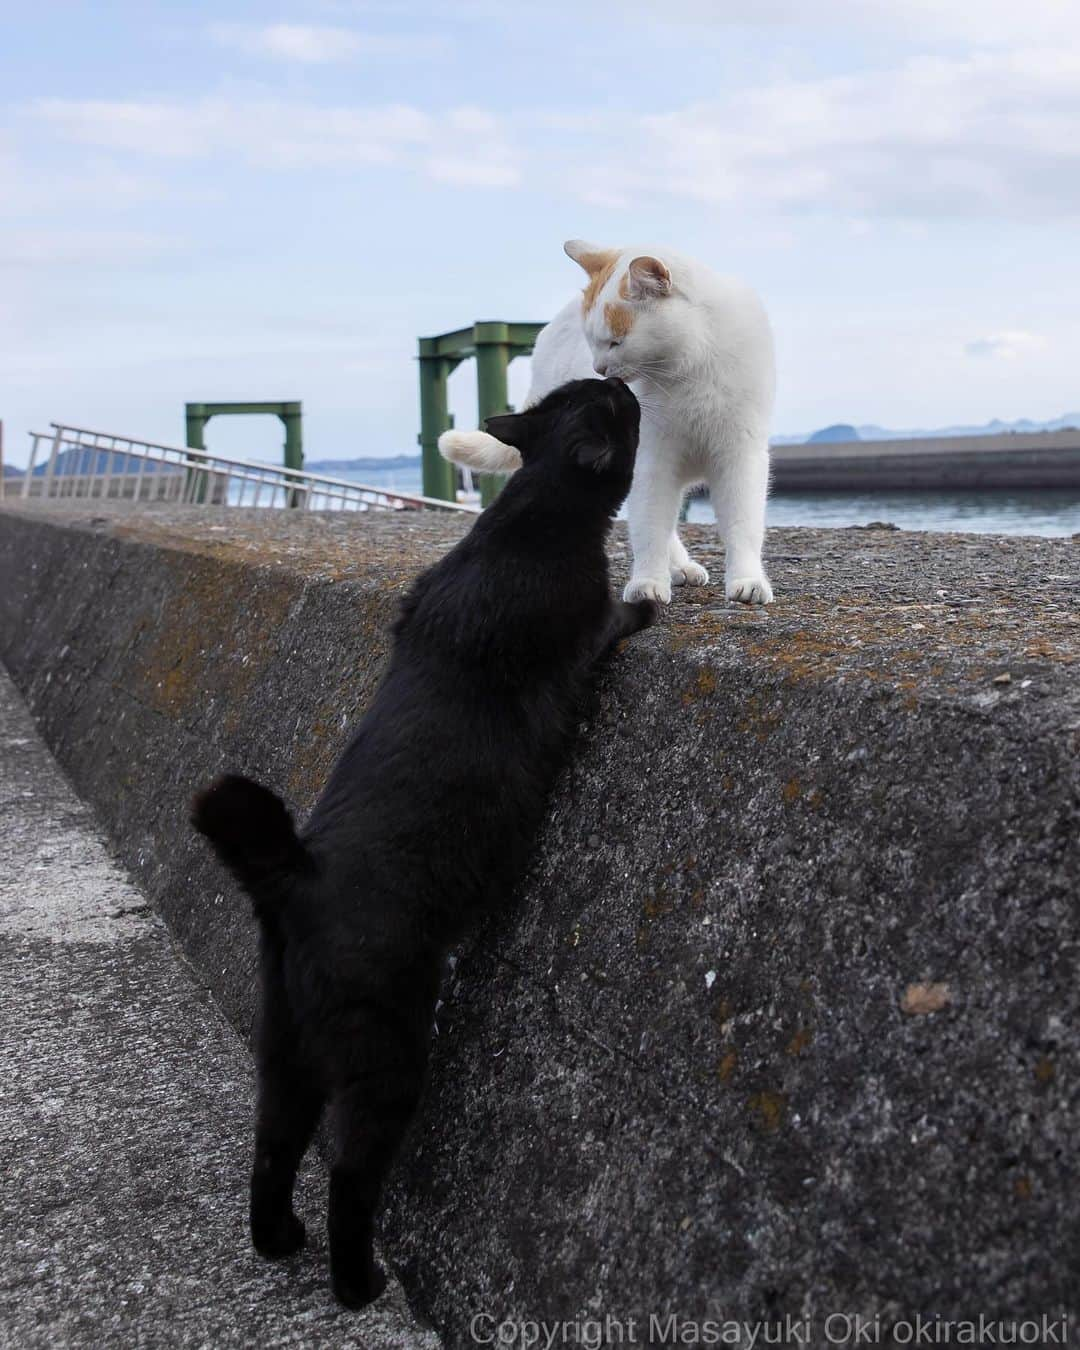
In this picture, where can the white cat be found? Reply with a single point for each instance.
(697, 350)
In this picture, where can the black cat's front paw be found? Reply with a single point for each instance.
(647, 612)
(357, 1290)
(628, 618)
(277, 1240)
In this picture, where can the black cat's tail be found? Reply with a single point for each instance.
(253, 834)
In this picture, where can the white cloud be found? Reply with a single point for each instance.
(991, 134)
(989, 23)
(464, 171)
(263, 132)
(29, 187)
(994, 134)
(465, 145)
(316, 45)
(1006, 346)
(473, 151)
(47, 248)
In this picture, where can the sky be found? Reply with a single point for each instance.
(211, 200)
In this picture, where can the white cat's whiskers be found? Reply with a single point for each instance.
(651, 374)
(655, 411)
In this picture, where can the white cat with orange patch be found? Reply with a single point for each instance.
(697, 350)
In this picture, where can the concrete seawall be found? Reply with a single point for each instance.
(1039, 460)
(785, 1019)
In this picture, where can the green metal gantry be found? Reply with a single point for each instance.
(494, 345)
(196, 416)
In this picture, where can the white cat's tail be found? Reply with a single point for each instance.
(477, 450)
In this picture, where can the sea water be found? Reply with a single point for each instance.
(1044, 512)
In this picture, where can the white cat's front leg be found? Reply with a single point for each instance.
(684, 570)
(739, 485)
(652, 509)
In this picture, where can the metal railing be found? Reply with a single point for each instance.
(98, 464)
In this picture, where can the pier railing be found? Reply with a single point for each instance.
(76, 462)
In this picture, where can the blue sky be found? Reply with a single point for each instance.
(247, 201)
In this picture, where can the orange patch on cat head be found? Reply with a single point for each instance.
(599, 263)
(599, 266)
(619, 319)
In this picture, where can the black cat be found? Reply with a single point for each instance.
(428, 816)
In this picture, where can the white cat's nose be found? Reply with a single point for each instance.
(600, 365)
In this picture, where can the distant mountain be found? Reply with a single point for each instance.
(332, 466)
(10, 471)
(88, 460)
(843, 431)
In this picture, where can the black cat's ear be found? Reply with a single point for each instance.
(514, 429)
(595, 455)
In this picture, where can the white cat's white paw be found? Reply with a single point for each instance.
(689, 573)
(750, 590)
(648, 588)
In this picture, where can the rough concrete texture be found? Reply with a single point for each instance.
(126, 1114)
(694, 1068)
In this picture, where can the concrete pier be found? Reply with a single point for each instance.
(1047, 459)
(783, 1022)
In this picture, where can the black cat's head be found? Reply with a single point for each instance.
(585, 431)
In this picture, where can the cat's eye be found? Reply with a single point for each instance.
(615, 342)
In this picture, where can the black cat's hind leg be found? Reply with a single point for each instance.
(287, 1111)
(368, 1118)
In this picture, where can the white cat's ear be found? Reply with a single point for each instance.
(647, 276)
(590, 256)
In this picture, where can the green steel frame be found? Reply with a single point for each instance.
(196, 416)
(494, 345)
